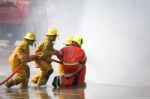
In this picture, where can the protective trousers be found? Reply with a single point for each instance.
(42, 78)
(21, 77)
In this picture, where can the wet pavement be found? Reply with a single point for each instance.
(92, 91)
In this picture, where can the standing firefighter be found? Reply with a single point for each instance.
(20, 57)
(73, 63)
(45, 51)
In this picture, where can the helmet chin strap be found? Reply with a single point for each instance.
(34, 44)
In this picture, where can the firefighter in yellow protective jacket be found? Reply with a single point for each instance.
(45, 50)
(20, 57)
(67, 42)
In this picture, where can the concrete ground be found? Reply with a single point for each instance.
(92, 91)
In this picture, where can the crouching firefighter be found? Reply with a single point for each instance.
(73, 64)
(19, 58)
(45, 51)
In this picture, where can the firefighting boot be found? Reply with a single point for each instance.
(36, 78)
(34, 81)
(24, 84)
(41, 82)
(56, 82)
(10, 83)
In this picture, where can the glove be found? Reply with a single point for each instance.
(39, 57)
(31, 58)
(50, 60)
(56, 52)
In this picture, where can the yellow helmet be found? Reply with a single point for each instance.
(52, 31)
(30, 36)
(78, 39)
(69, 40)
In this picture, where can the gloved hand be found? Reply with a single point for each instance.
(31, 58)
(50, 60)
(39, 57)
(56, 52)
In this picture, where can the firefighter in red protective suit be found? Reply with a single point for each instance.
(20, 57)
(45, 50)
(73, 63)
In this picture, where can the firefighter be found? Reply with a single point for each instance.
(68, 42)
(73, 63)
(19, 57)
(45, 50)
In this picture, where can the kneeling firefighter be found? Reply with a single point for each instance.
(45, 50)
(73, 64)
(19, 57)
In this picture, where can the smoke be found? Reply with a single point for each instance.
(117, 41)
